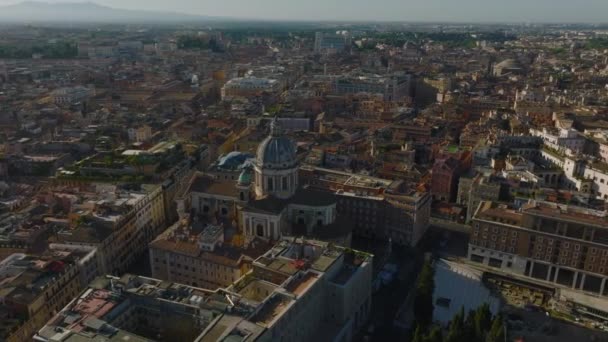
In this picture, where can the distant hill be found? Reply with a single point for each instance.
(86, 12)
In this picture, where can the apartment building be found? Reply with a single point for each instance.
(135, 308)
(326, 43)
(196, 254)
(249, 86)
(559, 244)
(299, 290)
(119, 224)
(291, 286)
(391, 88)
(33, 289)
(379, 208)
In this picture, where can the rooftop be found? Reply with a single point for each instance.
(96, 314)
(272, 309)
(185, 237)
(567, 212)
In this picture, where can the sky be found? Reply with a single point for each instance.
(382, 10)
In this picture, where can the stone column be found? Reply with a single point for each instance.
(582, 281)
(556, 273)
(531, 268)
(575, 279)
(602, 286)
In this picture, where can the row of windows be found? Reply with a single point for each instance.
(270, 183)
(492, 245)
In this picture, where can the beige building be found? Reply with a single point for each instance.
(197, 254)
(33, 289)
(119, 226)
(560, 245)
(379, 208)
(299, 290)
(249, 87)
(302, 290)
(140, 134)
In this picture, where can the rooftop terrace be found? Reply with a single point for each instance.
(272, 309)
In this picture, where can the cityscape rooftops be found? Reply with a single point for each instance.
(100, 311)
(239, 313)
(207, 242)
(206, 184)
(504, 214)
(251, 82)
(565, 212)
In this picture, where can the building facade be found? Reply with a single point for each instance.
(34, 289)
(298, 290)
(563, 245)
(379, 208)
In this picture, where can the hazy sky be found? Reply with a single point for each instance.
(406, 10)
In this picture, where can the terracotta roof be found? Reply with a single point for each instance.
(310, 197)
(209, 185)
(268, 204)
(224, 255)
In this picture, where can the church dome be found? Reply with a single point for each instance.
(276, 151)
(245, 177)
(233, 160)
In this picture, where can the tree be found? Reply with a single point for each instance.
(435, 335)
(423, 300)
(497, 332)
(418, 335)
(469, 326)
(483, 321)
(456, 332)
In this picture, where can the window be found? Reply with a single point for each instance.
(284, 181)
(270, 185)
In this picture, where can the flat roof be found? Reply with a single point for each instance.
(272, 309)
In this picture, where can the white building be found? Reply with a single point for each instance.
(140, 134)
(249, 86)
(71, 95)
(569, 141)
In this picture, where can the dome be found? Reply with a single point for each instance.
(245, 177)
(277, 150)
(233, 160)
(508, 64)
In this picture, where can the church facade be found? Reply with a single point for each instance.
(267, 200)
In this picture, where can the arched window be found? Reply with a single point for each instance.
(242, 196)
